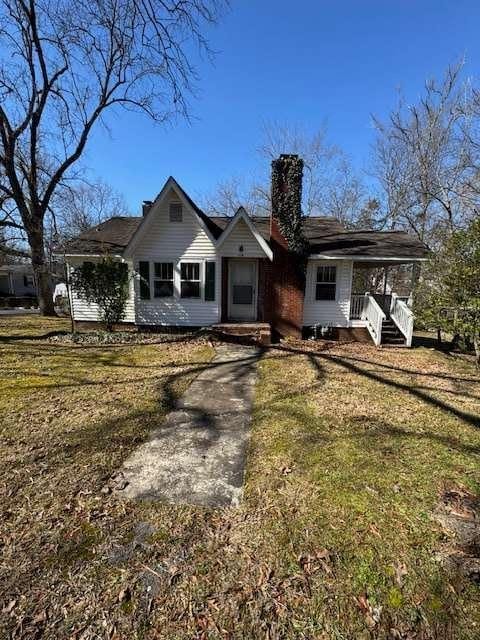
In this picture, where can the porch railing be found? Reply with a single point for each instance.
(357, 304)
(403, 317)
(374, 316)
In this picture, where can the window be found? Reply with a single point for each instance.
(210, 281)
(175, 212)
(163, 280)
(326, 284)
(190, 280)
(28, 281)
(144, 269)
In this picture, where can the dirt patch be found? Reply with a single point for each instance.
(458, 512)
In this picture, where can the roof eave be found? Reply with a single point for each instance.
(241, 214)
(360, 258)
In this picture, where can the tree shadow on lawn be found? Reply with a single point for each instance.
(118, 436)
(353, 365)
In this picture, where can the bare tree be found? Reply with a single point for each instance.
(86, 204)
(235, 192)
(331, 186)
(425, 160)
(63, 65)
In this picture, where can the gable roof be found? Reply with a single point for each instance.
(171, 183)
(243, 215)
(327, 237)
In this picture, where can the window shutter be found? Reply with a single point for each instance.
(144, 268)
(210, 281)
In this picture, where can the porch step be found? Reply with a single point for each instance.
(391, 335)
(256, 332)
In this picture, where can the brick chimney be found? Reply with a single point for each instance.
(286, 238)
(146, 206)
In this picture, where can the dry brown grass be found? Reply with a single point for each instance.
(351, 448)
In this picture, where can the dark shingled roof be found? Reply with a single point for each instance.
(111, 236)
(327, 236)
(314, 227)
(369, 244)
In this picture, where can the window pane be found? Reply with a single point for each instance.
(144, 269)
(242, 294)
(326, 274)
(163, 288)
(190, 289)
(325, 292)
(210, 281)
(190, 271)
(164, 270)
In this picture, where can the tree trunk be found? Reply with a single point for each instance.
(476, 343)
(41, 272)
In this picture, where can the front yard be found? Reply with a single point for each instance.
(357, 455)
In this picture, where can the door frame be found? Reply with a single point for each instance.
(231, 317)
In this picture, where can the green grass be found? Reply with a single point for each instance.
(351, 448)
(372, 438)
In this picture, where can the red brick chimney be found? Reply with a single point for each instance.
(286, 238)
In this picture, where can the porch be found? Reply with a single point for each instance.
(387, 317)
(385, 309)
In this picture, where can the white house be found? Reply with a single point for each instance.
(192, 270)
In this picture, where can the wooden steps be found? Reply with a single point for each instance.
(391, 334)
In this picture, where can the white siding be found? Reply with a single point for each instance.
(82, 310)
(333, 313)
(241, 236)
(165, 241)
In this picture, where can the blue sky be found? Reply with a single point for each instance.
(307, 63)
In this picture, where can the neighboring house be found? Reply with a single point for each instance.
(17, 280)
(192, 270)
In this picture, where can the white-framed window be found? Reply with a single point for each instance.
(163, 279)
(190, 279)
(326, 282)
(175, 212)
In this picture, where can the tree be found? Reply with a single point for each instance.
(426, 160)
(449, 297)
(63, 66)
(85, 205)
(330, 187)
(105, 284)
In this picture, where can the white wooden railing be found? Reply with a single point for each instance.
(357, 304)
(403, 317)
(374, 317)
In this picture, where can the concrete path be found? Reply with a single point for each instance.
(198, 455)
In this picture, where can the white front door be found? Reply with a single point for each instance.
(242, 289)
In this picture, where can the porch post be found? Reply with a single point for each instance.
(385, 280)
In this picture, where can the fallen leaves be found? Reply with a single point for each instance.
(372, 613)
(125, 595)
(400, 571)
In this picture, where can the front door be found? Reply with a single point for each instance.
(242, 290)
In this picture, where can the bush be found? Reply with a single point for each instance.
(105, 284)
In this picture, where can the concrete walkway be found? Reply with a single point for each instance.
(198, 455)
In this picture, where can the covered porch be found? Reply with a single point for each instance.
(381, 301)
